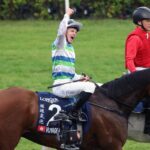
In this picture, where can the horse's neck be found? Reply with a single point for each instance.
(125, 103)
(132, 100)
(103, 100)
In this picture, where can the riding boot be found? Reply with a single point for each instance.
(147, 121)
(147, 116)
(83, 97)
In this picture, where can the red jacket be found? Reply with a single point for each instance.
(137, 50)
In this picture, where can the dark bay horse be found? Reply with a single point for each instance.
(111, 105)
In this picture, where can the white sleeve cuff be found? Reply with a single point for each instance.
(77, 77)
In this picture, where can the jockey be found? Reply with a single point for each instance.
(137, 50)
(63, 63)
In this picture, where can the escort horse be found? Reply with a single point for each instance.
(110, 107)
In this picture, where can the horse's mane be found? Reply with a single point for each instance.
(126, 84)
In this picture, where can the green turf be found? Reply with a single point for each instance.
(25, 56)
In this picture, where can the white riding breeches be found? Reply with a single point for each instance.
(138, 69)
(73, 88)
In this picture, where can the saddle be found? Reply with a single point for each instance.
(68, 128)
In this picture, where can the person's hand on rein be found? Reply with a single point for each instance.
(86, 77)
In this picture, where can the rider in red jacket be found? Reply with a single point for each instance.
(137, 50)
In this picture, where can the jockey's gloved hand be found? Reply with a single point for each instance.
(86, 77)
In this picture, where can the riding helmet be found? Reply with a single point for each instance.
(141, 13)
(74, 24)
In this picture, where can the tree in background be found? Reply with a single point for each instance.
(54, 9)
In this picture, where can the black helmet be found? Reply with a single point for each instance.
(74, 24)
(141, 13)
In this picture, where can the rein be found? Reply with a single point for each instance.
(117, 101)
(124, 104)
(120, 113)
